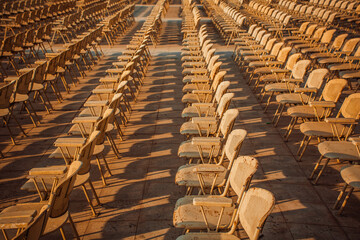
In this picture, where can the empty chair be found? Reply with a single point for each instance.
(212, 177)
(251, 216)
(337, 128)
(58, 201)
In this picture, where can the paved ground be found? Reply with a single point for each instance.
(139, 201)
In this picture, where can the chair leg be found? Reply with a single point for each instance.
(321, 171)
(62, 233)
(113, 144)
(33, 110)
(290, 128)
(346, 199)
(106, 165)
(316, 167)
(73, 227)
(101, 171)
(89, 201)
(306, 143)
(95, 195)
(17, 122)
(336, 205)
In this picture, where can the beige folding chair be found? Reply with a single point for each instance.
(214, 213)
(63, 182)
(207, 149)
(350, 174)
(213, 177)
(36, 228)
(301, 95)
(218, 86)
(316, 109)
(289, 85)
(6, 108)
(21, 94)
(337, 128)
(83, 153)
(203, 124)
(255, 68)
(253, 211)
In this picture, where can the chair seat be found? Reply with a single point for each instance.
(342, 150)
(320, 55)
(50, 77)
(257, 64)
(292, 98)
(52, 223)
(195, 71)
(264, 70)
(350, 74)
(81, 179)
(192, 111)
(268, 78)
(330, 60)
(279, 87)
(188, 216)
(321, 129)
(207, 236)
(194, 98)
(191, 58)
(21, 98)
(189, 78)
(341, 67)
(4, 112)
(189, 150)
(37, 87)
(191, 87)
(351, 175)
(305, 111)
(186, 176)
(193, 64)
(189, 128)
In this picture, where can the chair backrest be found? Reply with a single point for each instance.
(254, 209)
(220, 90)
(7, 45)
(351, 106)
(333, 89)
(303, 27)
(310, 30)
(276, 48)
(316, 78)
(339, 41)
(215, 70)
(212, 62)
(86, 152)
(59, 197)
(327, 36)
(36, 228)
(5, 94)
(39, 73)
(300, 68)
(350, 45)
(265, 38)
(269, 45)
(292, 61)
(318, 33)
(223, 104)
(102, 124)
(219, 77)
(283, 54)
(241, 173)
(227, 122)
(23, 83)
(233, 145)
